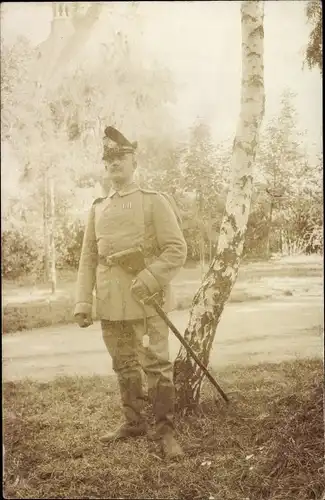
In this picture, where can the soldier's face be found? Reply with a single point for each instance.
(120, 168)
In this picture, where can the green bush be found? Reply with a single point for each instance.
(19, 254)
(68, 244)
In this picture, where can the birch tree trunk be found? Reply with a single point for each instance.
(49, 230)
(52, 237)
(268, 240)
(46, 229)
(210, 299)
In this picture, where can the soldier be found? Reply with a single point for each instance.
(132, 217)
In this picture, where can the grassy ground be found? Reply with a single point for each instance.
(28, 305)
(267, 445)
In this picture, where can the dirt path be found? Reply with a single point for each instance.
(248, 333)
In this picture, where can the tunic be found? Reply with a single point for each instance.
(132, 217)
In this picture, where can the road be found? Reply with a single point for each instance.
(248, 333)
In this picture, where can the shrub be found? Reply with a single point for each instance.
(19, 254)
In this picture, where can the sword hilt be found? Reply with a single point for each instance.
(152, 298)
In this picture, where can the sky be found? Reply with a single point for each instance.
(201, 44)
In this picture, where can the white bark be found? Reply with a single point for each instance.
(52, 237)
(217, 284)
(49, 230)
(45, 228)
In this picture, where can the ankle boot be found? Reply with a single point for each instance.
(164, 413)
(170, 447)
(125, 431)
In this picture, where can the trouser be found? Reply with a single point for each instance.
(124, 342)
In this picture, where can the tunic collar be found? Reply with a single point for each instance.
(129, 189)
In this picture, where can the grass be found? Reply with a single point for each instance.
(26, 306)
(267, 445)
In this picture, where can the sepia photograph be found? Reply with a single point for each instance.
(162, 250)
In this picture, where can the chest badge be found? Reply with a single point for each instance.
(127, 205)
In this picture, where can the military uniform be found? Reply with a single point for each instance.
(133, 217)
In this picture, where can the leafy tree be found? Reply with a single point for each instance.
(279, 156)
(301, 216)
(15, 84)
(314, 56)
(205, 179)
(287, 173)
(69, 116)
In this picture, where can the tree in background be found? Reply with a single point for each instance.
(205, 180)
(56, 130)
(184, 170)
(287, 171)
(210, 299)
(280, 156)
(314, 51)
(20, 131)
(89, 94)
(301, 211)
(159, 164)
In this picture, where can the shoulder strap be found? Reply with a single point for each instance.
(98, 200)
(147, 206)
(148, 191)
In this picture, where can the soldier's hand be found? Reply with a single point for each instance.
(83, 320)
(140, 290)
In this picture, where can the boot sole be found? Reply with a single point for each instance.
(121, 437)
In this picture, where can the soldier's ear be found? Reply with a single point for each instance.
(134, 161)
